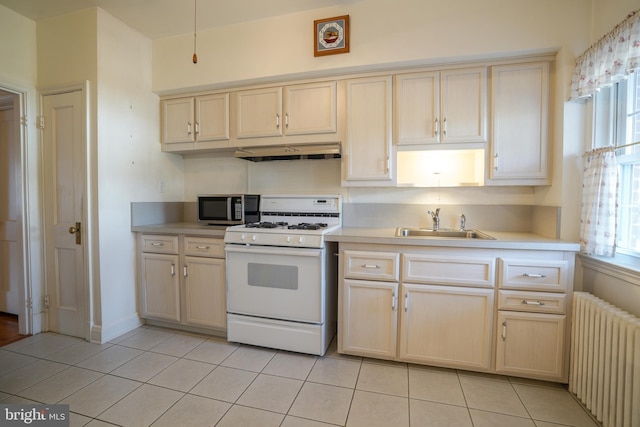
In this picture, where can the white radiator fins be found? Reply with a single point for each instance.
(605, 361)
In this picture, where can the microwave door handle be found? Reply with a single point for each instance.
(229, 208)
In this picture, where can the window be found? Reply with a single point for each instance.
(617, 122)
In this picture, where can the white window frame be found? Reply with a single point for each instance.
(610, 125)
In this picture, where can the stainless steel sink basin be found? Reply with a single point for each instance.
(458, 234)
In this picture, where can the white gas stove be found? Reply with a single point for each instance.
(291, 221)
(282, 275)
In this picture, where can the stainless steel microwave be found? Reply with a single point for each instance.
(228, 209)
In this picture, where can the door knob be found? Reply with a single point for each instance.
(77, 231)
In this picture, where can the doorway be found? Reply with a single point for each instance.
(12, 272)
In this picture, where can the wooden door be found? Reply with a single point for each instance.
(212, 117)
(10, 259)
(178, 120)
(418, 108)
(160, 286)
(259, 113)
(64, 187)
(464, 105)
(310, 108)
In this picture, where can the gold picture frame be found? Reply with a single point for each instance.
(331, 36)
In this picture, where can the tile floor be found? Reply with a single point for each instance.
(161, 377)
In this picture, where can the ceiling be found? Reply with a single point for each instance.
(165, 18)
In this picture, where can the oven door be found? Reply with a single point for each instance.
(276, 282)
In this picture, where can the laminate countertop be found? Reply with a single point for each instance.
(190, 228)
(502, 240)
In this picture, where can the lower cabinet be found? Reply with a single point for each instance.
(187, 284)
(446, 326)
(498, 311)
(531, 344)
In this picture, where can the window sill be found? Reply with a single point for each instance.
(624, 267)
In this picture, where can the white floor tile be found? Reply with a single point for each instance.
(249, 358)
(60, 385)
(321, 402)
(492, 419)
(290, 421)
(10, 361)
(212, 351)
(243, 416)
(144, 367)
(432, 414)
(290, 365)
(110, 359)
(225, 384)
(335, 371)
(77, 352)
(29, 375)
(146, 339)
(384, 378)
(271, 393)
(178, 345)
(378, 410)
(48, 345)
(193, 411)
(77, 420)
(142, 407)
(436, 385)
(100, 395)
(490, 395)
(182, 375)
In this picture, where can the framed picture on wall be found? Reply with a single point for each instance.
(331, 36)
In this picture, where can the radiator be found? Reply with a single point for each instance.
(605, 361)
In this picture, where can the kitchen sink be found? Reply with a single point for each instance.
(457, 234)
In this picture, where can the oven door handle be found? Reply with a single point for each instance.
(270, 250)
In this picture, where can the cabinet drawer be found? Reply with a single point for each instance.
(159, 244)
(461, 271)
(371, 265)
(543, 275)
(203, 246)
(538, 302)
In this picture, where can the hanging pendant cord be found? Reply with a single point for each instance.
(195, 17)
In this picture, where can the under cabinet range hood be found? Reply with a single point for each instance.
(289, 152)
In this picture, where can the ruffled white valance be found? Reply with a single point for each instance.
(609, 60)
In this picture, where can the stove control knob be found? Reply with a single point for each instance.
(242, 237)
(288, 239)
(254, 237)
(300, 239)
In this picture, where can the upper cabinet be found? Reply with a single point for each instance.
(190, 123)
(519, 124)
(368, 157)
(295, 110)
(441, 107)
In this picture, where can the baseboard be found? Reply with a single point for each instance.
(102, 334)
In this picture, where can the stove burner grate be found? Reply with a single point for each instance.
(267, 224)
(308, 226)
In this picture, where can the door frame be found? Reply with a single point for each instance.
(88, 201)
(25, 311)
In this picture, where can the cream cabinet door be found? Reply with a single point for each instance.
(369, 318)
(204, 292)
(463, 102)
(368, 153)
(417, 108)
(159, 286)
(519, 116)
(531, 345)
(259, 113)
(310, 108)
(446, 326)
(212, 117)
(178, 121)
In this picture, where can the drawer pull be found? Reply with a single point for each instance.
(406, 302)
(173, 270)
(540, 303)
(534, 275)
(184, 271)
(370, 266)
(202, 247)
(504, 330)
(393, 301)
(157, 244)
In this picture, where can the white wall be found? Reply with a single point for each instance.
(386, 34)
(130, 164)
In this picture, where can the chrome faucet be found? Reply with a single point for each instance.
(436, 218)
(463, 222)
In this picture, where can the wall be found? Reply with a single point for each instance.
(130, 164)
(124, 163)
(18, 74)
(389, 34)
